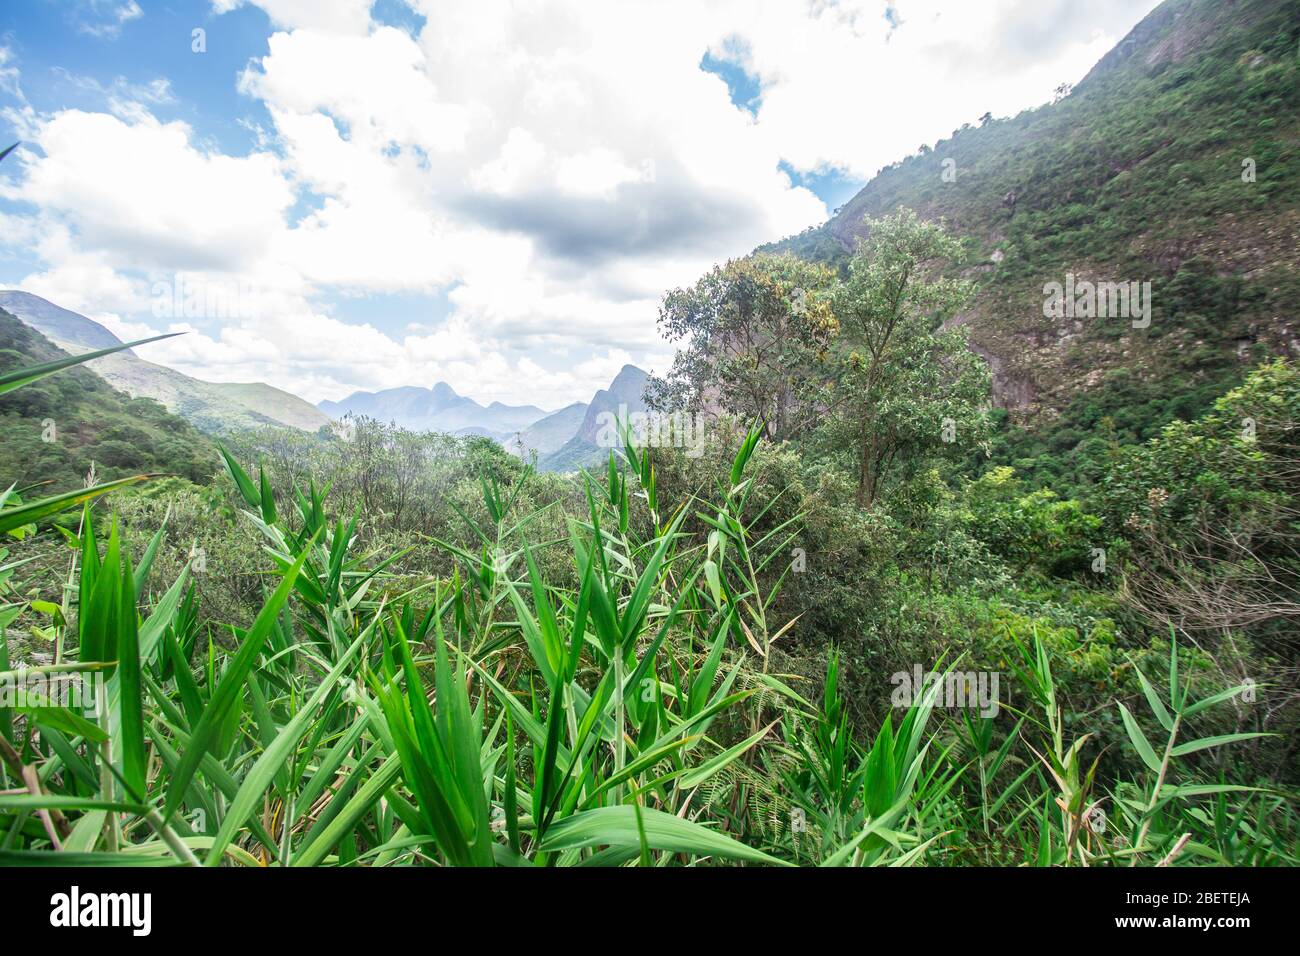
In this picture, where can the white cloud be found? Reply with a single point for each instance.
(947, 64)
(344, 16)
(123, 98)
(105, 18)
(9, 74)
(551, 168)
(139, 190)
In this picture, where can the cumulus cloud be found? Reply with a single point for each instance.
(142, 191)
(547, 170)
(339, 16)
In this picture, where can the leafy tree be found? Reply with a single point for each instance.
(1211, 510)
(904, 388)
(759, 330)
(1030, 529)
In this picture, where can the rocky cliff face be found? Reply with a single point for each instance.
(625, 393)
(625, 396)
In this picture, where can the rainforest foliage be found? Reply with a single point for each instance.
(381, 648)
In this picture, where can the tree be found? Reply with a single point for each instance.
(759, 331)
(904, 389)
(1211, 509)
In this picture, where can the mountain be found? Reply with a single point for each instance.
(562, 440)
(437, 409)
(55, 322)
(211, 406)
(548, 434)
(1173, 162)
(55, 428)
(625, 396)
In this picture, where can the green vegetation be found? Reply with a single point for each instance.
(755, 334)
(449, 659)
(870, 621)
(1139, 174)
(212, 407)
(56, 428)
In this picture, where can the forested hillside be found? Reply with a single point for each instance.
(212, 407)
(1174, 161)
(56, 428)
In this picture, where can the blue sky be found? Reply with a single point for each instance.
(406, 191)
(60, 42)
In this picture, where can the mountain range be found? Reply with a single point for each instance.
(438, 409)
(560, 440)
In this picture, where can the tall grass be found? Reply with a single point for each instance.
(491, 717)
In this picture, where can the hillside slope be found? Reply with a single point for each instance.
(54, 428)
(211, 406)
(1174, 162)
(55, 322)
(548, 434)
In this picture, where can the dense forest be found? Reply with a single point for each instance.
(944, 581)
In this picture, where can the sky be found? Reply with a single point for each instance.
(342, 195)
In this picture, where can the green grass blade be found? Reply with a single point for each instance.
(17, 378)
(205, 734)
(618, 827)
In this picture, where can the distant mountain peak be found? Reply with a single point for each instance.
(444, 392)
(625, 395)
(628, 374)
(438, 409)
(628, 387)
